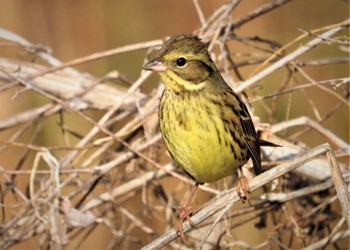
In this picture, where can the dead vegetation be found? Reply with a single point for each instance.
(117, 176)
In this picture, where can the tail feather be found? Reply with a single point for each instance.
(264, 143)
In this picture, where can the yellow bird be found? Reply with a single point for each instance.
(206, 126)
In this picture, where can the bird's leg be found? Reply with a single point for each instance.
(185, 213)
(243, 186)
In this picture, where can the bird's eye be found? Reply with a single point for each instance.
(181, 62)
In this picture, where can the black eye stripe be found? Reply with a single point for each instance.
(181, 61)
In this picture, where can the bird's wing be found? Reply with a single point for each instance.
(249, 135)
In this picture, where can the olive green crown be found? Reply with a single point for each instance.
(185, 43)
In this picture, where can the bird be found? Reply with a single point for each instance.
(205, 125)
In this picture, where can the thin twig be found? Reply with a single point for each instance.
(285, 60)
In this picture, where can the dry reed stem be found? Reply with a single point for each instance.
(292, 56)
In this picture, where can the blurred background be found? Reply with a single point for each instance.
(76, 29)
(79, 28)
(73, 29)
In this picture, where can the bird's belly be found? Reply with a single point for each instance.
(203, 148)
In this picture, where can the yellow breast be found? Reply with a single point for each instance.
(201, 137)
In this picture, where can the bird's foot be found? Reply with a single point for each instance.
(243, 189)
(184, 215)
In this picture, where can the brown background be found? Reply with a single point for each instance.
(74, 29)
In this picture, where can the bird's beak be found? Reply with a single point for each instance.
(155, 65)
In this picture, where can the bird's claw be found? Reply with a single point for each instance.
(184, 215)
(243, 189)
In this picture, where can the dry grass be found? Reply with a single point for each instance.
(61, 193)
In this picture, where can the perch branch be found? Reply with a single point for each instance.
(224, 201)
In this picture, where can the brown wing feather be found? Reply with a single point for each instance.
(249, 135)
